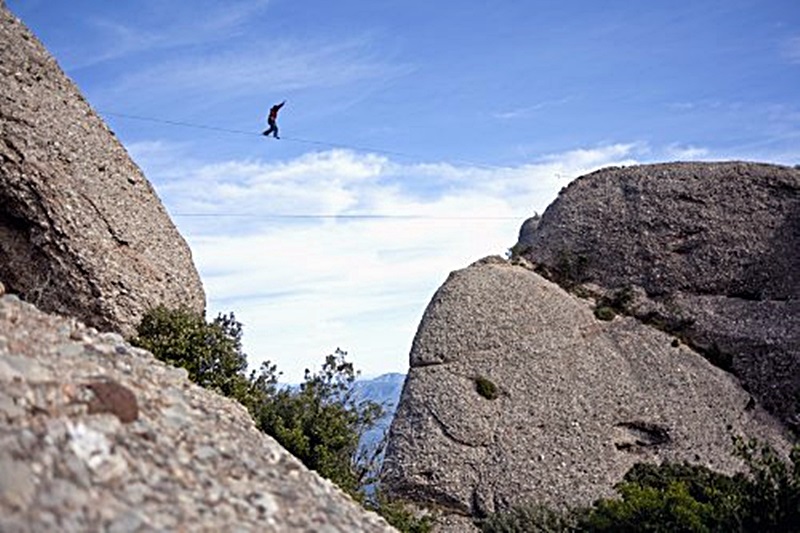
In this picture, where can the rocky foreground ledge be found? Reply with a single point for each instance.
(96, 434)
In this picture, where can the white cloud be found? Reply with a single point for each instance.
(685, 152)
(305, 286)
(593, 157)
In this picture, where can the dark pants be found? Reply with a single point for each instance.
(273, 129)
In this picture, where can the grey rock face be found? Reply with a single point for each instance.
(576, 401)
(712, 251)
(96, 435)
(528, 229)
(82, 232)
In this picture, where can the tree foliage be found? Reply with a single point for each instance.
(682, 498)
(210, 352)
(772, 495)
(321, 423)
(532, 517)
(669, 497)
(400, 515)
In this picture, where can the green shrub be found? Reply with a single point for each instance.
(321, 424)
(526, 518)
(669, 497)
(517, 250)
(571, 269)
(399, 515)
(682, 498)
(694, 498)
(648, 509)
(604, 313)
(486, 388)
(210, 352)
(772, 498)
(618, 303)
(621, 300)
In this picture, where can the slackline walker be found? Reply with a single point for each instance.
(272, 120)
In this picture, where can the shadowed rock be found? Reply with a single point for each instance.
(708, 251)
(82, 232)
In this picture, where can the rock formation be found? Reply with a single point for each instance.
(518, 393)
(96, 435)
(708, 251)
(82, 232)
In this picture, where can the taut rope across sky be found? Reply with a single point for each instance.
(192, 125)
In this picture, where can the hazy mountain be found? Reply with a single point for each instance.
(385, 391)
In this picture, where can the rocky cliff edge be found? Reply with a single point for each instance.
(707, 251)
(96, 435)
(82, 232)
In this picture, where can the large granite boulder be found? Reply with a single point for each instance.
(518, 393)
(82, 232)
(96, 435)
(707, 251)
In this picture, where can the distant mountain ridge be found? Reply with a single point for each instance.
(385, 391)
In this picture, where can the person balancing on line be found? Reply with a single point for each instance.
(272, 120)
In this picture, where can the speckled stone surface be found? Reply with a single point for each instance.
(82, 231)
(96, 435)
(579, 400)
(711, 248)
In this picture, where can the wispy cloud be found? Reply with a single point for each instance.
(527, 111)
(681, 152)
(359, 277)
(791, 50)
(117, 42)
(207, 23)
(286, 66)
(766, 130)
(583, 158)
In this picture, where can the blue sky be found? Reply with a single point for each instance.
(469, 116)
